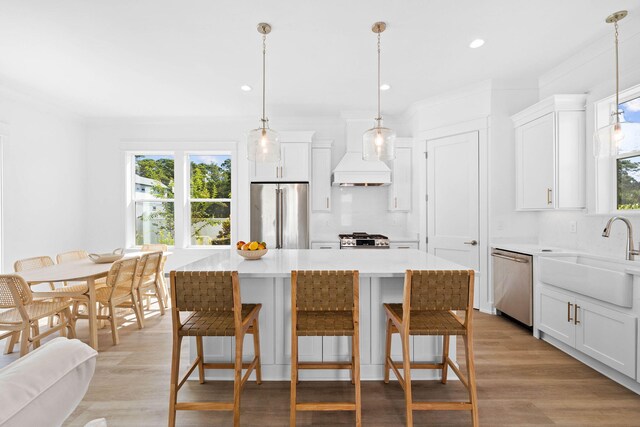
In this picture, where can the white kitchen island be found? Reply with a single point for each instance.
(267, 281)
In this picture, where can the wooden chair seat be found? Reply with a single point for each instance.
(35, 310)
(103, 294)
(325, 323)
(429, 322)
(213, 323)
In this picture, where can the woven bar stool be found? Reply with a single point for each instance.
(429, 301)
(325, 303)
(213, 298)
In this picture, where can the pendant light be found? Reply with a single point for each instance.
(262, 143)
(619, 136)
(378, 143)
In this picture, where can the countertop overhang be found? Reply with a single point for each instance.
(278, 263)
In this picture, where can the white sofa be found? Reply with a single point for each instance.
(44, 387)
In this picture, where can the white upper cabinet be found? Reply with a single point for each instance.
(321, 176)
(550, 154)
(295, 160)
(400, 188)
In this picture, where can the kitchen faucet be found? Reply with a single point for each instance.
(631, 251)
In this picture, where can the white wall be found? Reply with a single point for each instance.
(591, 71)
(43, 191)
(354, 209)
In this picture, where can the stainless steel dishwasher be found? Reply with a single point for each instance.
(513, 284)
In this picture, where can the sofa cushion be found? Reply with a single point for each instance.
(45, 386)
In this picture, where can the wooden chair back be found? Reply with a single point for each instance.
(32, 263)
(324, 290)
(122, 275)
(148, 268)
(438, 290)
(205, 291)
(71, 256)
(14, 291)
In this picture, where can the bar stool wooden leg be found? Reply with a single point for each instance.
(294, 377)
(353, 360)
(237, 381)
(387, 352)
(471, 378)
(175, 370)
(200, 356)
(256, 350)
(445, 357)
(356, 373)
(406, 367)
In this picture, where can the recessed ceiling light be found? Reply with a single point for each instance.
(245, 88)
(476, 43)
(385, 86)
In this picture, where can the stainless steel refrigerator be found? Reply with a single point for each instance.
(280, 214)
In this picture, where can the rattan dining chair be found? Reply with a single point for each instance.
(119, 292)
(325, 303)
(429, 301)
(22, 313)
(155, 247)
(213, 300)
(32, 264)
(147, 280)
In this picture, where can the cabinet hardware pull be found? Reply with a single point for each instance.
(277, 172)
(404, 247)
(549, 196)
(396, 202)
(569, 305)
(510, 258)
(327, 203)
(281, 173)
(575, 314)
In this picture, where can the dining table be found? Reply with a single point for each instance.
(83, 270)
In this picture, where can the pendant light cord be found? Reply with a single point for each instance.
(379, 118)
(617, 112)
(264, 56)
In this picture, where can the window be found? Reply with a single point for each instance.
(628, 167)
(210, 199)
(154, 199)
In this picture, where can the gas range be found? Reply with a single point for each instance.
(360, 240)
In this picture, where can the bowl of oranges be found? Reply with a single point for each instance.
(251, 250)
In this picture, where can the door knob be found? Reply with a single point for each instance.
(472, 243)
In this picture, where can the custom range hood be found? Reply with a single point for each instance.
(352, 170)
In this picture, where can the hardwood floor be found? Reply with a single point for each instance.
(521, 382)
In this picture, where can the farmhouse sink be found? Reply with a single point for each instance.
(600, 278)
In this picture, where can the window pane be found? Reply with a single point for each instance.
(210, 223)
(210, 176)
(631, 110)
(154, 177)
(628, 171)
(154, 223)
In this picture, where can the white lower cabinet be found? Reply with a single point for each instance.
(606, 335)
(403, 245)
(325, 245)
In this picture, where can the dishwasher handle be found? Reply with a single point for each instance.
(510, 258)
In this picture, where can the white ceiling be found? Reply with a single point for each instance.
(189, 58)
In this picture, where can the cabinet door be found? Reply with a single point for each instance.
(555, 314)
(264, 171)
(321, 180)
(607, 335)
(535, 165)
(295, 162)
(571, 160)
(325, 245)
(400, 189)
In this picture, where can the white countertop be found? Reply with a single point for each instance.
(280, 262)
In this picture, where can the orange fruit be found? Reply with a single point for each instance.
(245, 247)
(261, 247)
(253, 246)
(240, 244)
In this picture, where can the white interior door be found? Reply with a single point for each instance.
(453, 187)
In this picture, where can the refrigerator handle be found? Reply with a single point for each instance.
(280, 229)
(278, 218)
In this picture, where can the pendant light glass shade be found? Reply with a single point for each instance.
(378, 143)
(616, 139)
(263, 145)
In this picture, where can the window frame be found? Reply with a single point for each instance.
(131, 196)
(606, 168)
(189, 200)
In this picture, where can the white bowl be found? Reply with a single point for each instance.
(252, 254)
(108, 257)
